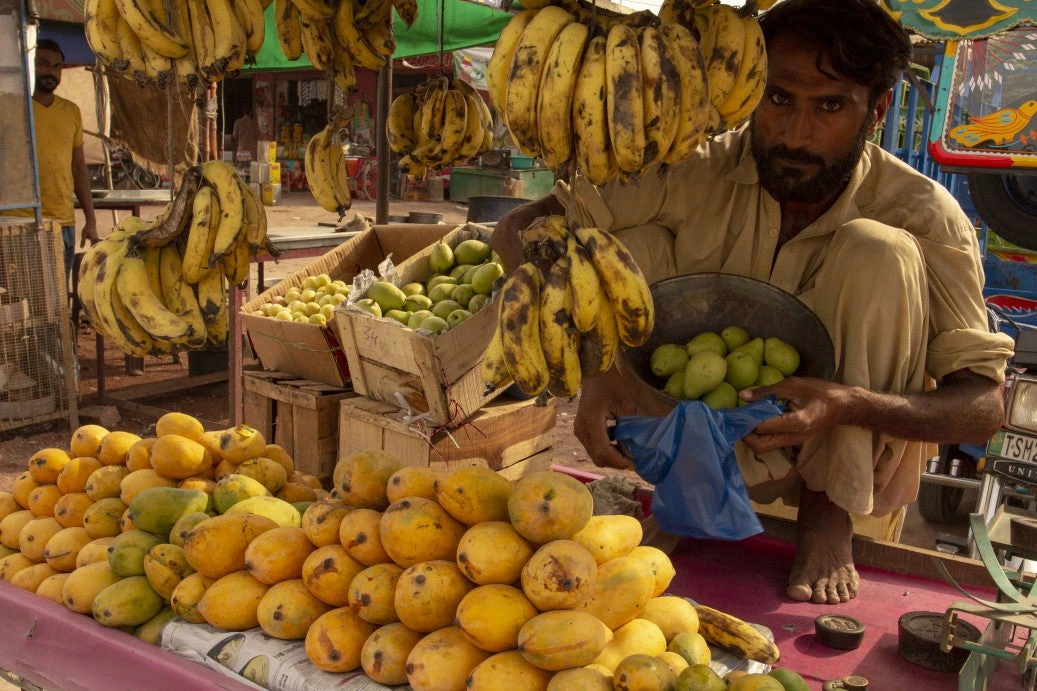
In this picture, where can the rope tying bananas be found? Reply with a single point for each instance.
(556, 329)
(152, 286)
(326, 174)
(616, 94)
(438, 124)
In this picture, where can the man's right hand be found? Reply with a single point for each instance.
(505, 240)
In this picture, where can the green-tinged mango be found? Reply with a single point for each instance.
(705, 371)
(707, 340)
(441, 259)
(129, 602)
(156, 510)
(388, 296)
(234, 488)
(127, 551)
(151, 630)
(165, 566)
(668, 359)
(278, 510)
(485, 276)
(82, 585)
(183, 526)
(471, 252)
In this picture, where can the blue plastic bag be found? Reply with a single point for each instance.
(689, 456)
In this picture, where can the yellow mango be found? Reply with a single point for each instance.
(415, 530)
(23, 485)
(562, 639)
(335, 640)
(288, 610)
(126, 553)
(128, 602)
(641, 672)
(491, 616)
(184, 524)
(560, 575)
(32, 540)
(126, 522)
(507, 670)
(493, 552)
(442, 661)
(71, 508)
(151, 630)
(384, 655)
(8, 505)
(672, 615)
(428, 593)
(43, 499)
(139, 455)
(234, 488)
(31, 577)
(241, 443)
(115, 446)
(636, 636)
(179, 424)
(328, 573)
(622, 591)
(46, 464)
(11, 527)
(73, 477)
(211, 442)
(580, 679)
(277, 453)
(63, 548)
(104, 483)
(12, 564)
(223, 469)
(157, 509)
(94, 551)
(216, 546)
(176, 457)
(362, 476)
(610, 537)
(202, 484)
(86, 440)
(278, 510)
(52, 587)
(296, 492)
(165, 566)
(82, 585)
(307, 479)
(659, 562)
(140, 480)
(6, 551)
(675, 662)
(372, 593)
(411, 481)
(322, 519)
(474, 494)
(692, 647)
(267, 472)
(278, 555)
(186, 596)
(360, 533)
(547, 506)
(102, 518)
(231, 603)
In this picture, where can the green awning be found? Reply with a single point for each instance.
(466, 25)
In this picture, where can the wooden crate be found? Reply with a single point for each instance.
(512, 437)
(299, 415)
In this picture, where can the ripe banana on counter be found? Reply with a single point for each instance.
(735, 636)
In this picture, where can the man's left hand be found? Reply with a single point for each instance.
(811, 406)
(89, 233)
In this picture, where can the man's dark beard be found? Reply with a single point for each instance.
(790, 185)
(46, 84)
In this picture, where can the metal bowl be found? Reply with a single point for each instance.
(690, 304)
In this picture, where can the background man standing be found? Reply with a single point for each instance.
(245, 135)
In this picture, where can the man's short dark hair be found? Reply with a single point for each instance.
(50, 44)
(857, 37)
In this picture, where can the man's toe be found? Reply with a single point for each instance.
(800, 592)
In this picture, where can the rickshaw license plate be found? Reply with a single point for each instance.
(1017, 447)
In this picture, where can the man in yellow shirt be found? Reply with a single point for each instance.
(884, 256)
(59, 152)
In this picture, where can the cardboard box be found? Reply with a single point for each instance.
(264, 173)
(270, 195)
(436, 374)
(310, 351)
(511, 437)
(266, 151)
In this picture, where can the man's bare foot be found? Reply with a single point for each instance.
(823, 570)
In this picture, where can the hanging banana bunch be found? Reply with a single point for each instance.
(560, 327)
(437, 124)
(155, 286)
(615, 94)
(196, 42)
(326, 174)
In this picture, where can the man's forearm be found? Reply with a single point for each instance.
(81, 178)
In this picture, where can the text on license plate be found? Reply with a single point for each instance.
(1019, 447)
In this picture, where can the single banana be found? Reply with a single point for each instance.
(228, 34)
(146, 307)
(101, 27)
(174, 218)
(559, 339)
(598, 346)
(104, 273)
(219, 328)
(223, 178)
(336, 168)
(378, 33)
(315, 9)
(736, 636)
(255, 218)
(289, 31)
(129, 335)
(485, 116)
(590, 119)
(204, 39)
(316, 42)
(555, 95)
(201, 237)
(212, 294)
(751, 79)
(493, 368)
(399, 127)
(152, 265)
(520, 329)
(471, 145)
(186, 71)
(179, 297)
(157, 67)
(527, 67)
(498, 68)
(682, 50)
(349, 35)
(623, 97)
(130, 46)
(661, 96)
(433, 108)
(151, 30)
(316, 166)
(236, 265)
(412, 168)
(728, 45)
(624, 284)
(369, 11)
(455, 124)
(343, 67)
(586, 287)
(250, 15)
(408, 11)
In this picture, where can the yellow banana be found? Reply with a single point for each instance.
(316, 42)
(316, 165)
(250, 15)
(559, 339)
(412, 168)
(661, 94)
(378, 33)
(485, 117)
(179, 297)
(455, 124)
(736, 636)
(590, 119)
(623, 97)
(228, 34)
(236, 264)
(408, 11)
(130, 46)
(107, 263)
(157, 67)
(527, 66)
(146, 307)
(493, 368)
(101, 27)
(212, 294)
(624, 284)
(399, 127)
(586, 287)
(201, 236)
(369, 11)
(342, 67)
(130, 336)
(599, 345)
(433, 108)
(348, 34)
(545, 237)
(186, 71)
(223, 179)
(219, 328)
(94, 260)
(474, 130)
(204, 41)
(520, 329)
(255, 218)
(499, 67)
(152, 261)
(728, 33)
(751, 79)
(682, 50)
(151, 30)
(555, 95)
(315, 9)
(289, 32)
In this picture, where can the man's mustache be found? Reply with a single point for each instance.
(794, 155)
